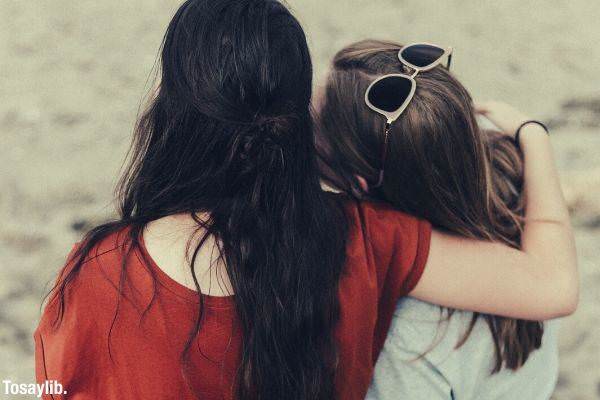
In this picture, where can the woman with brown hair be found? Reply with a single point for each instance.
(437, 164)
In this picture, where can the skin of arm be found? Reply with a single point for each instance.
(538, 282)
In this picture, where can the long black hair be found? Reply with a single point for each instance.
(229, 133)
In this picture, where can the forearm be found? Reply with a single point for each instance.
(547, 234)
(544, 198)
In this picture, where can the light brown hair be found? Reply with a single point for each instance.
(440, 166)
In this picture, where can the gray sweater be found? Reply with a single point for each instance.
(448, 373)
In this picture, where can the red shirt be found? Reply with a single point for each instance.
(386, 254)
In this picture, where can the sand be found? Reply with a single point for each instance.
(72, 75)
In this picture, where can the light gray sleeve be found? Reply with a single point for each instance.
(410, 364)
(444, 372)
(398, 374)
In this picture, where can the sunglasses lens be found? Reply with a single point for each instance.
(421, 55)
(390, 93)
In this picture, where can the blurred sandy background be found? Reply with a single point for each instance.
(72, 74)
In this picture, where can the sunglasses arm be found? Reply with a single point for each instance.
(386, 134)
(449, 61)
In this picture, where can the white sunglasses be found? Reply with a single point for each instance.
(389, 95)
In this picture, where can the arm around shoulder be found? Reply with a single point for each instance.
(496, 279)
(538, 282)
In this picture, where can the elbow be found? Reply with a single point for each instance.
(570, 302)
(566, 309)
(567, 298)
(560, 288)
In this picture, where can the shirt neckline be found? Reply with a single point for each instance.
(177, 288)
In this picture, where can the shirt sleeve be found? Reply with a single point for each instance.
(63, 349)
(399, 246)
(403, 374)
(418, 244)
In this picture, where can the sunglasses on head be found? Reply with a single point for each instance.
(389, 95)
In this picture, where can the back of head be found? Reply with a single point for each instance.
(228, 134)
(436, 165)
(439, 165)
(233, 100)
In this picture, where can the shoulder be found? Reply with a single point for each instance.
(396, 243)
(98, 259)
(385, 225)
(378, 212)
(87, 284)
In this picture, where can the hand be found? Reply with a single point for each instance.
(504, 116)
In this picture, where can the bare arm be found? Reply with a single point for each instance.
(538, 282)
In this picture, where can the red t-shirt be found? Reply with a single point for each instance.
(386, 254)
